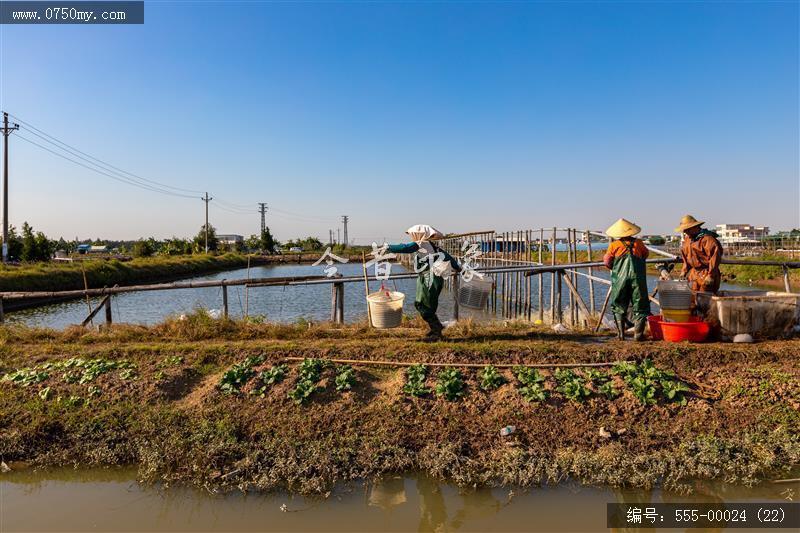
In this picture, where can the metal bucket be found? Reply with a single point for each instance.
(386, 308)
(674, 294)
(475, 293)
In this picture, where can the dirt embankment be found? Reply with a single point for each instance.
(152, 397)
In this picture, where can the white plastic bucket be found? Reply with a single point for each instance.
(475, 293)
(386, 308)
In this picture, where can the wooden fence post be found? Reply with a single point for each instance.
(108, 310)
(559, 310)
(339, 302)
(225, 300)
(456, 284)
(786, 285)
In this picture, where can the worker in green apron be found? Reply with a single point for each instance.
(433, 265)
(626, 258)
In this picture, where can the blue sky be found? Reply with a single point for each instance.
(466, 116)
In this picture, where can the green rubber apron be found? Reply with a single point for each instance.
(629, 285)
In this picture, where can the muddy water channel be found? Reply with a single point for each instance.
(279, 304)
(111, 500)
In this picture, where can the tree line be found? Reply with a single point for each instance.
(30, 245)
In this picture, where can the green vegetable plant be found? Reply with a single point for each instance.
(608, 390)
(302, 391)
(532, 382)
(235, 377)
(415, 381)
(268, 378)
(571, 385)
(345, 378)
(648, 383)
(26, 376)
(450, 384)
(490, 378)
(310, 372)
(675, 391)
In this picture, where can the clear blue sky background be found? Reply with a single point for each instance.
(465, 116)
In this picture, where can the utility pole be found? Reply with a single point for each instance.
(206, 200)
(262, 207)
(330, 237)
(338, 235)
(6, 132)
(345, 218)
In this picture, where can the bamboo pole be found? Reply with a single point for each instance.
(247, 291)
(541, 276)
(86, 288)
(570, 259)
(603, 311)
(366, 286)
(591, 272)
(578, 300)
(553, 279)
(367, 362)
(559, 307)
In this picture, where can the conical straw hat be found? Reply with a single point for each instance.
(424, 232)
(623, 228)
(688, 221)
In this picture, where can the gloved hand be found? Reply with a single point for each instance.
(664, 275)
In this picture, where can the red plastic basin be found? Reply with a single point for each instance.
(654, 321)
(693, 331)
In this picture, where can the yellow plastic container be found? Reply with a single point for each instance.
(676, 315)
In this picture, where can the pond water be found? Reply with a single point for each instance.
(111, 500)
(280, 304)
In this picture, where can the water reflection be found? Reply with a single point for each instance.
(110, 500)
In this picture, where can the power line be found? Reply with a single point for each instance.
(117, 178)
(75, 151)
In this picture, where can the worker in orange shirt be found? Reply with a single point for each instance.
(701, 253)
(625, 258)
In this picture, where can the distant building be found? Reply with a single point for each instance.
(230, 239)
(741, 233)
(92, 249)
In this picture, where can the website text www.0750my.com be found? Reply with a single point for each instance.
(71, 12)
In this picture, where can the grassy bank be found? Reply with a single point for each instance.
(201, 402)
(54, 276)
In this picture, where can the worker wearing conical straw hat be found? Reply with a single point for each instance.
(432, 264)
(701, 252)
(625, 258)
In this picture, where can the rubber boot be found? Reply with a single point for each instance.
(638, 332)
(435, 331)
(619, 322)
